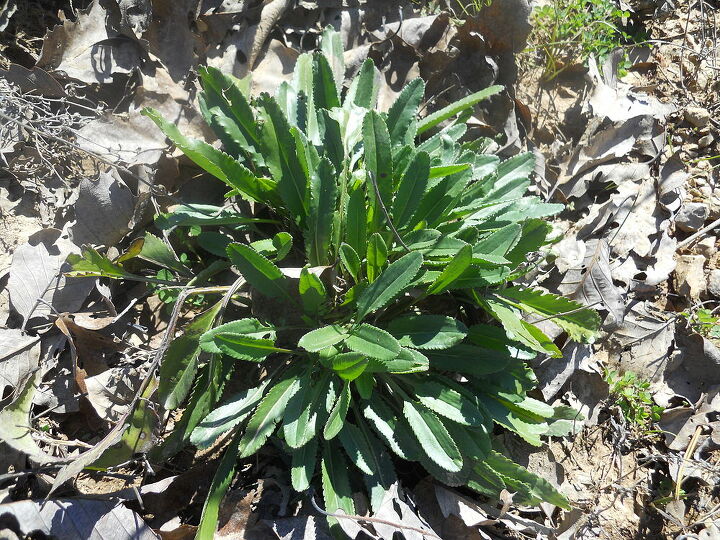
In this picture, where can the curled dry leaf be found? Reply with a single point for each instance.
(15, 424)
(37, 285)
(76, 518)
(19, 356)
(103, 210)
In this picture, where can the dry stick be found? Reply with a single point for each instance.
(371, 520)
(688, 452)
(691, 239)
(155, 190)
(387, 216)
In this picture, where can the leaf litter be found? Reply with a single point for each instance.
(626, 189)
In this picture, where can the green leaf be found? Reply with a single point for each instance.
(212, 160)
(366, 453)
(407, 361)
(338, 413)
(325, 92)
(411, 189)
(323, 195)
(427, 331)
(540, 490)
(349, 366)
(497, 245)
(333, 145)
(392, 429)
(336, 485)
(364, 88)
(373, 342)
(468, 359)
(280, 151)
(520, 330)
(332, 48)
(266, 416)
(402, 116)
(378, 163)
(455, 108)
(389, 285)
(351, 260)
(204, 214)
(218, 488)
(377, 253)
(249, 327)
(231, 90)
(306, 410)
(243, 347)
(303, 464)
(581, 323)
(356, 224)
(453, 271)
(259, 271)
(312, 292)
(322, 338)
(205, 394)
(282, 242)
(179, 364)
(156, 251)
(445, 401)
(92, 263)
(433, 437)
(365, 384)
(234, 410)
(447, 170)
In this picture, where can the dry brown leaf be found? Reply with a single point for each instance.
(77, 518)
(19, 355)
(37, 285)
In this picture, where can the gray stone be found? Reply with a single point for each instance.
(697, 116)
(705, 141)
(691, 217)
(714, 283)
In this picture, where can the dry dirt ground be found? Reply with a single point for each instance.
(636, 160)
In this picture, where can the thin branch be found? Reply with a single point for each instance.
(372, 520)
(387, 215)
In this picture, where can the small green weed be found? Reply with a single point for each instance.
(703, 321)
(632, 396)
(569, 31)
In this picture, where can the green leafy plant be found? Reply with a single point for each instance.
(703, 321)
(383, 324)
(569, 31)
(632, 396)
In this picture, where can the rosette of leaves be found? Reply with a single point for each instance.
(380, 259)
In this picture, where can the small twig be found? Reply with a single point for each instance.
(691, 239)
(688, 452)
(371, 520)
(387, 215)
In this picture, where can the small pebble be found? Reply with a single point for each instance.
(705, 141)
(697, 116)
(714, 283)
(691, 217)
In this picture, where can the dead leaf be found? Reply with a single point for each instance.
(112, 391)
(19, 356)
(103, 210)
(90, 49)
(592, 283)
(299, 528)
(15, 424)
(75, 518)
(37, 285)
(553, 373)
(452, 503)
(689, 277)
